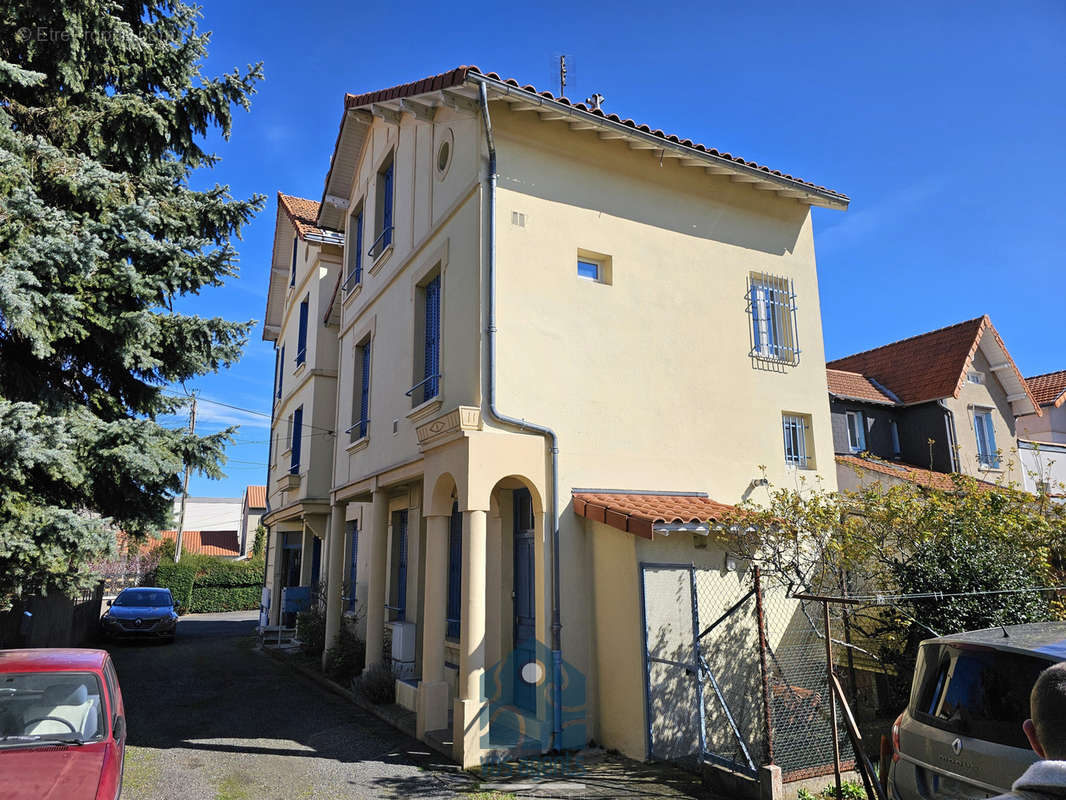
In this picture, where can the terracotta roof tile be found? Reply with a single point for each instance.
(457, 76)
(927, 367)
(303, 213)
(257, 496)
(906, 472)
(1049, 389)
(638, 513)
(854, 386)
(208, 543)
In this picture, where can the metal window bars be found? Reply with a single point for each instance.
(384, 240)
(773, 333)
(422, 383)
(795, 433)
(355, 277)
(357, 430)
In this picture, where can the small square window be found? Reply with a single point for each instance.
(588, 269)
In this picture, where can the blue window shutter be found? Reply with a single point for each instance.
(455, 572)
(297, 440)
(281, 372)
(432, 355)
(364, 391)
(401, 571)
(301, 344)
(292, 274)
(352, 562)
(359, 248)
(386, 219)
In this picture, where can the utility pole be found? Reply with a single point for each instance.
(185, 486)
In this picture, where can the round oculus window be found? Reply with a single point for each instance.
(444, 156)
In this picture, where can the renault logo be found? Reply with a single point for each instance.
(137, 622)
(956, 746)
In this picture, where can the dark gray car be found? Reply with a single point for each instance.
(961, 735)
(144, 612)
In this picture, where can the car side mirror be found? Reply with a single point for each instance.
(109, 602)
(118, 728)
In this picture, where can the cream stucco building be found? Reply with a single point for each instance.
(541, 345)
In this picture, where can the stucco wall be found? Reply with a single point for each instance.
(1050, 427)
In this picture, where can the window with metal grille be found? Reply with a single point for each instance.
(296, 440)
(455, 572)
(383, 220)
(355, 251)
(427, 372)
(361, 400)
(292, 273)
(301, 339)
(353, 560)
(987, 453)
(856, 431)
(797, 451)
(399, 571)
(772, 309)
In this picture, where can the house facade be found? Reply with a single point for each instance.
(562, 343)
(305, 265)
(1042, 437)
(944, 401)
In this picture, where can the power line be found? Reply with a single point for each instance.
(883, 599)
(256, 412)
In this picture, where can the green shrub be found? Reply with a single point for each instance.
(344, 661)
(377, 684)
(179, 578)
(259, 544)
(205, 584)
(311, 630)
(849, 790)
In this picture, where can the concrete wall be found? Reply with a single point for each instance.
(1050, 427)
(210, 513)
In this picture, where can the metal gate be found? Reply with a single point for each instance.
(690, 700)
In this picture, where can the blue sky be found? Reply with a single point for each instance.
(944, 122)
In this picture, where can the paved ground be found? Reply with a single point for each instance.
(210, 717)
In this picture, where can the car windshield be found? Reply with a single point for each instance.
(143, 597)
(975, 691)
(46, 706)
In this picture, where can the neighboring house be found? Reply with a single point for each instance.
(1042, 438)
(252, 509)
(651, 301)
(942, 402)
(303, 275)
(210, 513)
(225, 544)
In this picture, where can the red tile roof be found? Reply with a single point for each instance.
(853, 386)
(1049, 389)
(208, 543)
(930, 366)
(906, 472)
(458, 76)
(638, 513)
(256, 496)
(303, 214)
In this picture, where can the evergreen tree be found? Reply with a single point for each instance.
(102, 114)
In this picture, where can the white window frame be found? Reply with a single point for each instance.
(856, 431)
(773, 326)
(798, 453)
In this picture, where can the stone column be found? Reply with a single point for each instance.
(468, 717)
(375, 592)
(334, 576)
(432, 700)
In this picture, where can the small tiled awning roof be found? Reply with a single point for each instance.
(1050, 389)
(639, 512)
(853, 386)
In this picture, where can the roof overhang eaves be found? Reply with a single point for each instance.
(871, 401)
(718, 164)
(1006, 365)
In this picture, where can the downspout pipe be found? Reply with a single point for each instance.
(522, 425)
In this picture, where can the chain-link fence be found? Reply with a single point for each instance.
(736, 673)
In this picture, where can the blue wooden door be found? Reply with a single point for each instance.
(525, 631)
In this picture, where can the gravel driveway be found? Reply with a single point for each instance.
(209, 717)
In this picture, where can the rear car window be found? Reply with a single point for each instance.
(975, 691)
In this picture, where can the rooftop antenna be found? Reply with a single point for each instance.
(562, 76)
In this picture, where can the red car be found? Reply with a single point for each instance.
(62, 725)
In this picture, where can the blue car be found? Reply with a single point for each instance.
(146, 612)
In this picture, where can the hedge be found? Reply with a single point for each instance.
(208, 584)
